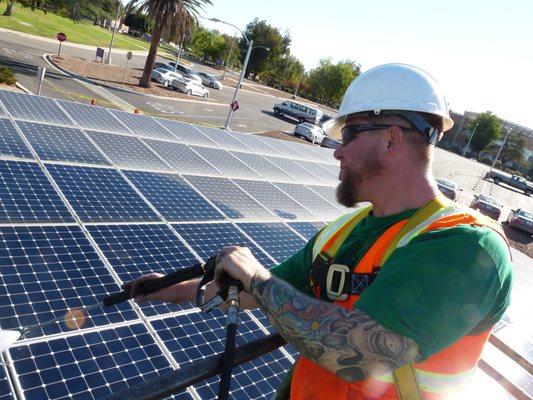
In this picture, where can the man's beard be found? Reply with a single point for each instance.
(349, 190)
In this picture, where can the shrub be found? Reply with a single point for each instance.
(6, 76)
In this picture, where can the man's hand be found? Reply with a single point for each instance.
(171, 294)
(239, 263)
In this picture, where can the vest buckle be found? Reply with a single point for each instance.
(336, 276)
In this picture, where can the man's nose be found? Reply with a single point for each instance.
(338, 153)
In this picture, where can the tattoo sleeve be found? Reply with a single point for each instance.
(346, 342)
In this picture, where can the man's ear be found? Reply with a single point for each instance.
(393, 141)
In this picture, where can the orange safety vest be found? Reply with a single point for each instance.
(442, 373)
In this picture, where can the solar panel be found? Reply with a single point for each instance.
(34, 108)
(127, 151)
(301, 150)
(47, 271)
(274, 199)
(310, 200)
(227, 164)
(223, 139)
(99, 194)
(194, 336)
(137, 249)
(88, 366)
(208, 239)
(59, 143)
(186, 133)
(182, 158)
(276, 238)
(26, 195)
(263, 167)
(254, 143)
(333, 169)
(173, 197)
(6, 392)
(3, 113)
(307, 229)
(322, 154)
(11, 143)
(231, 200)
(319, 171)
(292, 168)
(142, 125)
(93, 117)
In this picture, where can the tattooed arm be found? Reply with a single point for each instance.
(347, 343)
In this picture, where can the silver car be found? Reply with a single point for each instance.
(189, 87)
(311, 132)
(164, 76)
(520, 219)
(186, 72)
(210, 80)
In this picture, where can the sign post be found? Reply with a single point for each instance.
(61, 37)
(234, 106)
(40, 75)
(99, 54)
(129, 56)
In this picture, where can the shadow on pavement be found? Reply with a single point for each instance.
(281, 117)
(26, 69)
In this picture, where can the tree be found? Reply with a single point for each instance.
(513, 149)
(329, 81)
(488, 129)
(9, 8)
(137, 22)
(164, 14)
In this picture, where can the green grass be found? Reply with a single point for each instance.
(48, 25)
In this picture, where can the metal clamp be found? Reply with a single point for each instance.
(344, 271)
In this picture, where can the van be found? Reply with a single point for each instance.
(186, 72)
(299, 111)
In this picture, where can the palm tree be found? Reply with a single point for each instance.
(165, 14)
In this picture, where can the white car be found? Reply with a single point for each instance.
(189, 87)
(186, 72)
(310, 132)
(164, 76)
(210, 80)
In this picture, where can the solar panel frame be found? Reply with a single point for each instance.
(229, 198)
(34, 108)
(100, 194)
(6, 389)
(182, 158)
(60, 143)
(142, 125)
(186, 133)
(48, 271)
(11, 143)
(93, 117)
(173, 197)
(226, 163)
(319, 171)
(127, 151)
(3, 112)
(26, 195)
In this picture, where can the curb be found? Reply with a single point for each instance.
(66, 72)
(23, 88)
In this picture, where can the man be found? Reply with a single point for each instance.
(395, 300)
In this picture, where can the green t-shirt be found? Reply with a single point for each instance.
(443, 285)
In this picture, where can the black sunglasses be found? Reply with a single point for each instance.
(350, 132)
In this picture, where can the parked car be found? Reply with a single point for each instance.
(325, 118)
(189, 87)
(210, 80)
(511, 180)
(311, 132)
(448, 188)
(299, 111)
(161, 65)
(186, 72)
(487, 205)
(164, 76)
(521, 219)
(330, 143)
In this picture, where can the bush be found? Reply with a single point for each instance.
(6, 76)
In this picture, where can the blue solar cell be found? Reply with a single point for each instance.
(89, 366)
(318, 170)
(135, 250)
(61, 143)
(229, 198)
(328, 193)
(186, 133)
(173, 197)
(208, 239)
(182, 158)
(142, 125)
(128, 151)
(263, 167)
(227, 164)
(6, 392)
(273, 199)
(26, 195)
(307, 229)
(254, 143)
(276, 238)
(223, 139)
(296, 171)
(194, 336)
(48, 271)
(34, 108)
(11, 143)
(91, 117)
(99, 194)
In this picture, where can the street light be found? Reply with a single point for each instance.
(250, 44)
(499, 151)
(108, 61)
(469, 139)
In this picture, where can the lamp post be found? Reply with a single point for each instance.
(108, 61)
(499, 151)
(469, 139)
(228, 60)
(298, 85)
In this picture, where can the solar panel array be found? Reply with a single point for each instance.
(91, 198)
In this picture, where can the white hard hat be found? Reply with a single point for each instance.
(392, 87)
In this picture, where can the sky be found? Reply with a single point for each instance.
(480, 51)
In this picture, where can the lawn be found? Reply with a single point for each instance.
(48, 25)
